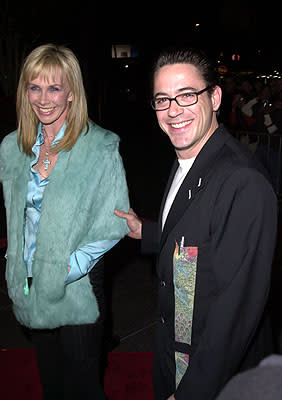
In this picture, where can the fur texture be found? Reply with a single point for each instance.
(85, 186)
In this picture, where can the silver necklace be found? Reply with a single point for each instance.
(46, 162)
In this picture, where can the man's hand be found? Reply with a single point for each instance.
(133, 223)
(171, 397)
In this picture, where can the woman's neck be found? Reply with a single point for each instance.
(50, 131)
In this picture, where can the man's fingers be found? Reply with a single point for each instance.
(121, 213)
(125, 215)
(133, 222)
(131, 212)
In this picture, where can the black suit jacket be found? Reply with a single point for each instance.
(214, 265)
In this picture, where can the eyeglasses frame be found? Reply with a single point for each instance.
(175, 99)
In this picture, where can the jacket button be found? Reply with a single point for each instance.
(162, 283)
(162, 320)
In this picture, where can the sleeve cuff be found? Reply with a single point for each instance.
(83, 259)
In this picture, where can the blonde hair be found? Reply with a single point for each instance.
(45, 60)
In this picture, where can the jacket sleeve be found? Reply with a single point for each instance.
(243, 239)
(85, 258)
(149, 242)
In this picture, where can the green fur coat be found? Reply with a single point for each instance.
(85, 186)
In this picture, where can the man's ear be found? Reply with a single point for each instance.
(216, 98)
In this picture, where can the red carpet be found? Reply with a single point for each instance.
(128, 375)
(3, 242)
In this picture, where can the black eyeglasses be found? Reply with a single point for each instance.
(161, 103)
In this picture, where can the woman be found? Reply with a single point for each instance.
(62, 177)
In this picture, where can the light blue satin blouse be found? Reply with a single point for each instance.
(81, 260)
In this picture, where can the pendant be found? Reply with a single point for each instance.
(46, 162)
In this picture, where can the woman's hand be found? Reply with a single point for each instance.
(133, 223)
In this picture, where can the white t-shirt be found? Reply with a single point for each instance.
(184, 167)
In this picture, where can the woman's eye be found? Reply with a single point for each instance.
(33, 88)
(54, 89)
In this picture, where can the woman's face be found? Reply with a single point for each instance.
(49, 98)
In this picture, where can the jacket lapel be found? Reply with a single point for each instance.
(168, 185)
(182, 201)
(194, 181)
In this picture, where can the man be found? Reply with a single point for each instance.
(215, 239)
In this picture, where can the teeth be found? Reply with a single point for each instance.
(46, 110)
(181, 124)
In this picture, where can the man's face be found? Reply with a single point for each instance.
(188, 128)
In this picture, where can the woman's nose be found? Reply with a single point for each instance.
(43, 97)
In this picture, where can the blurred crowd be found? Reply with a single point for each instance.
(252, 110)
(251, 104)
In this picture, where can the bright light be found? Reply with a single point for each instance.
(236, 57)
(275, 75)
